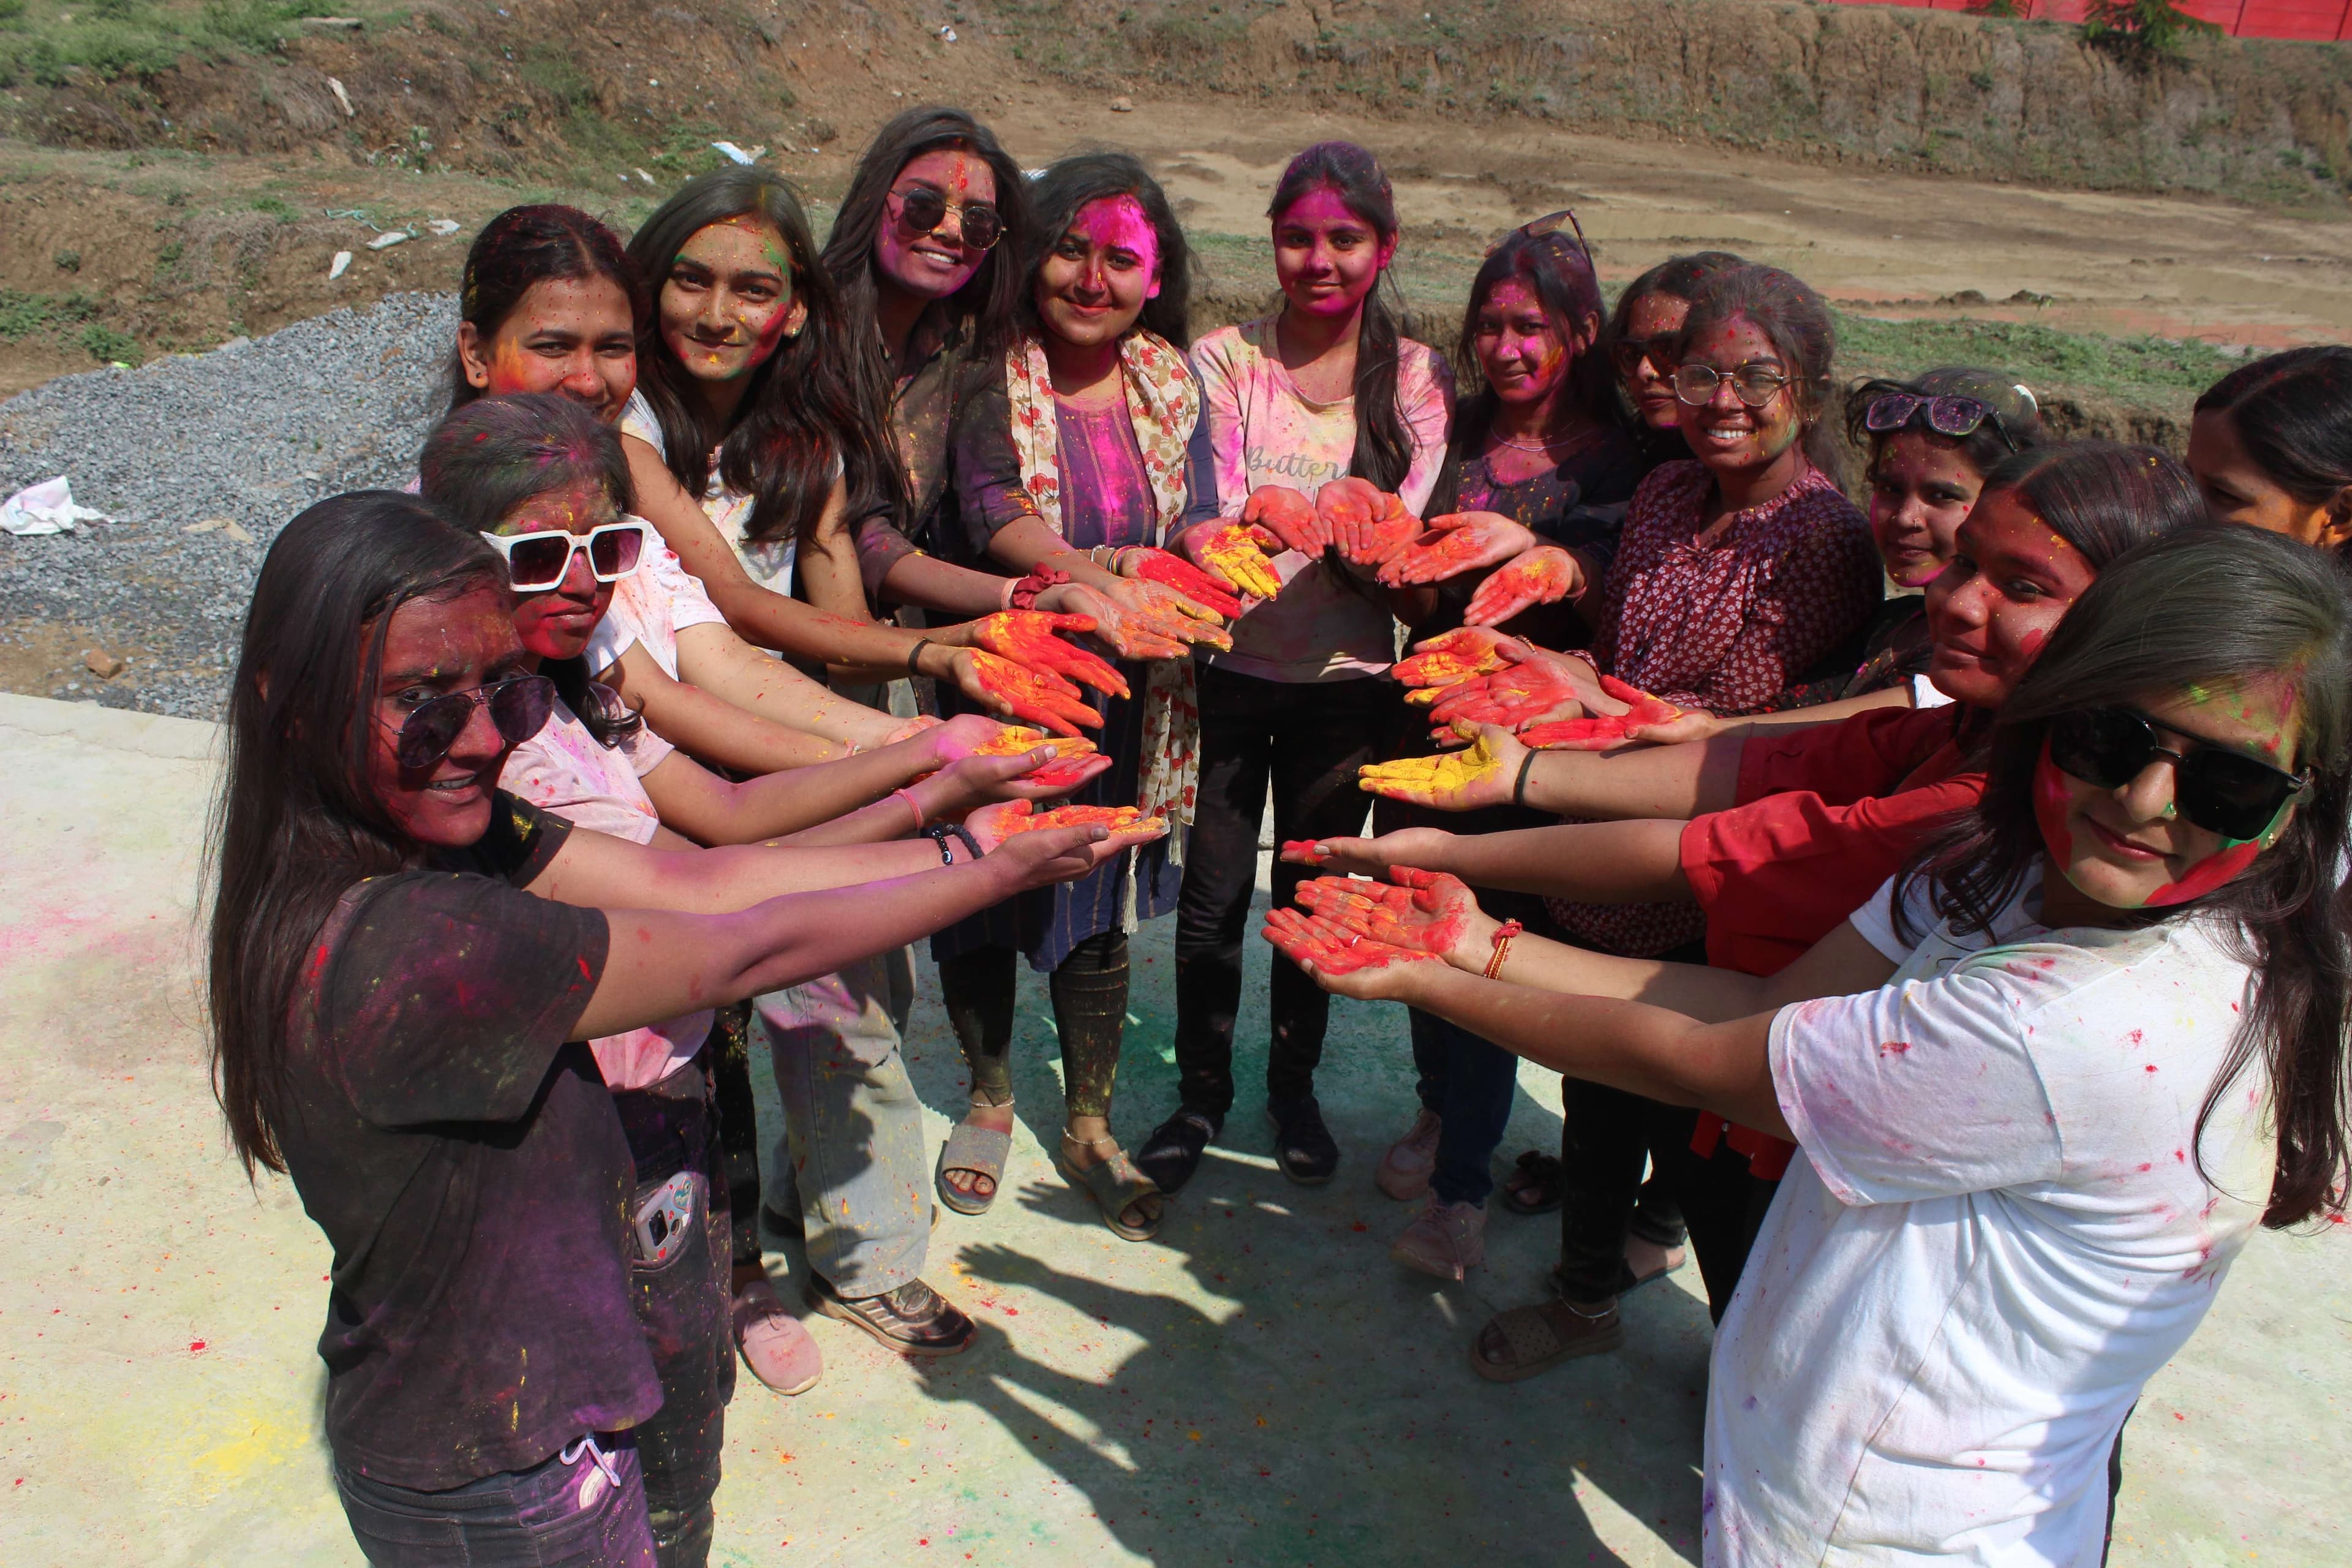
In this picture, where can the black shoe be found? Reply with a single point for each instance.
(1172, 1152)
(1303, 1146)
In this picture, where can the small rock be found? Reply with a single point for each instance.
(389, 238)
(104, 665)
(1122, 105)
(442, 228)
(207, 525)
(236, 531)
(339, 266)
(341, 97)
(334, 24)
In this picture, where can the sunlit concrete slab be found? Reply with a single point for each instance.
(1260, 1385)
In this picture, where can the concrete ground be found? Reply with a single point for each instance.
(1260, 1385)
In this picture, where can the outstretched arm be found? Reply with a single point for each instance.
(662, 963)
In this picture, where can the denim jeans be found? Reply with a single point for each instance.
(1307, 740)
(853, 1157)
(584, 1511)
(1468, 1083)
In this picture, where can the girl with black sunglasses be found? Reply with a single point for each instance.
(400, 952)
(2047, 1082)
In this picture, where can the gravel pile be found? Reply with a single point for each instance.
(188, 453)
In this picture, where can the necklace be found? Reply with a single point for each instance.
(1523, 445)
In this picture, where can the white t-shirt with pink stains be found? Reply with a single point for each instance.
(564, 770)
(1997, 1233)
(651, 606)
(1263, 430)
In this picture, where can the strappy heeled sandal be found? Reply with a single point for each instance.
(976, 1151)
(1115, 1185)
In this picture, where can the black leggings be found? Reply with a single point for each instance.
(1089, 991)
(1307, 739)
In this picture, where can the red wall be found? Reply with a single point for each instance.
(2325, 20)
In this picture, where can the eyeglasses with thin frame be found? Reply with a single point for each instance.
(539, 561)
(923, 209)
(1755, 382)
(518, 705)
(2221, 791)
(1953, 416)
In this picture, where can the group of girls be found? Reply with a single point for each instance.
(758, 604)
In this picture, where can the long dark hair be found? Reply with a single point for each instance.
(988, 305)
(1384, 453)
(2293, 413)
(1982, 449)
(807, 408)
(1676, 278)
(496, 453)
(2213, 606)
(1559, 272)
(528, 245)
(2104, 498)
(296, 822)
(1788, 310)
(1065, 189)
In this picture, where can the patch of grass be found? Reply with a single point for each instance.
(2158, 373)
(47, 41)
(23, 314)
(107, 346)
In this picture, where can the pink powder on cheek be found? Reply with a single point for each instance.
(2051, 801)
(2220, 867)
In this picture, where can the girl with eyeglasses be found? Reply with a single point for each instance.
(2047, 1082)
(400, 952)
(1772, 835)
(1326, 397)
(2271, 444)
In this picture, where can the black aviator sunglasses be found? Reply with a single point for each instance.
(519, 706)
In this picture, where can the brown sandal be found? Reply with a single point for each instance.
(1115, 1185)
(1530, 1340)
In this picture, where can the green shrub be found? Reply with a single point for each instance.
(106, 346)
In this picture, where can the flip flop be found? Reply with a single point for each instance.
(1115, 1186)
(1543, 1174)
(979, 1151)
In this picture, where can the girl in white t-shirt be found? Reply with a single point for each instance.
(2046, 1085)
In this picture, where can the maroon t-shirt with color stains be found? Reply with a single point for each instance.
(455, 1143)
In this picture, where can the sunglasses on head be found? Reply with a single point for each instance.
(1561, 223)
(2221, 791)
(1953, 416)
(537, 561)
(923, 209)
(1755, 382)
(519, 706)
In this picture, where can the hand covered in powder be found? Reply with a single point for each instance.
(1149, 566)
(1346, 962)
(1074, 761)
(1372, 856)
(1368, 525)
(1543, 575)
(1451, 659)
(1038, 696)
(1454, 781)
(1026, 637)
(1039, 859)
(1606, 731)
(1125, 823)
(1289, 517)
(1516, 695)
(1426, 910)
(1456, 542)
(1238, 554)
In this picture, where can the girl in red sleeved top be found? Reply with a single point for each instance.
(1768, 832)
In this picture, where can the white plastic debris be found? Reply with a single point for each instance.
(389, 238)
(46, 508)
(645, 177)
(947, 35)
(339, 266)
(341, 97)
(442, 228)
(734, 153)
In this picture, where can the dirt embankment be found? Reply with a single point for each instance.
(560, 87)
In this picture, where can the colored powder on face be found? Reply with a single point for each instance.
(2222, 866)
(1120, 223)
(1319, 211)
(2051, 801)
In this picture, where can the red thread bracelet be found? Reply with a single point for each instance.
(1502, 939)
